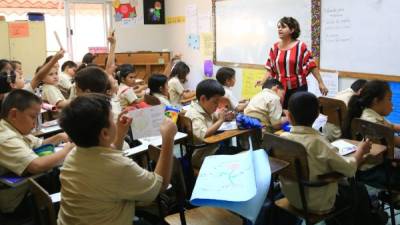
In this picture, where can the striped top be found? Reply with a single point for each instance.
(290, 66)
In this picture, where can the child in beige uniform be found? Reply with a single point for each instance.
(178, 77)
(226, 77)
(112, 183)
(158, 85)
(266, 106)
(323, 158)
(19, 116)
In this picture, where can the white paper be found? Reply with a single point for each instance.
(56, 197)
(50, 129)
(320, 122)
(344, 147)
(228, 126)
(331, 81)
(146, 122)
(191, 19)
(204, 21)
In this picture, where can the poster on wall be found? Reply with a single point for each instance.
(125, 11)
(154, 11)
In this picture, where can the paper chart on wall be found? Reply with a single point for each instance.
(146, 122)
(250, 77)
(331, 81)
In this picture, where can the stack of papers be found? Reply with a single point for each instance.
(344, 147)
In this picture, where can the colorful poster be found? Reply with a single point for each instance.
(154, 11)
(125, 9)
(18, 29)
(250, 77)
(206, 44)
(193, 41)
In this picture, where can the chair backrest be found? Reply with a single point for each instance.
(291, 152)
(335, 109)
(185, 126)
(151, 100)
(378, 133)
(44, 206)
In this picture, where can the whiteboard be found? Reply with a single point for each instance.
(245, 30)
(360, 36)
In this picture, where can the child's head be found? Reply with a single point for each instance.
(303, 108)
(180, 70)
(88, 121)
(17, 66)
(274, 85)
(158, 83)
(127, 74)
(208, 93)
(376, 95)
(69, 67)
(88, 58)
(52, 77)
(5, 66)
(226, 76)
(91, 79)
(21, 108)
(358, 85)
(12, 80)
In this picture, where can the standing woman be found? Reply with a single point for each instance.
(290, 61)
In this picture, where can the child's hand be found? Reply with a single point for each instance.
(60, 54)
(364, 146)
(123, 123)
(69, 146)
(229, 116)
(111, 38)
(168, 129)
(62, 137)
(221, 114)
(259, 83)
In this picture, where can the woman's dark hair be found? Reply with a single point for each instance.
(88, 58)
(375, 89)
(156, 82)
(292, 24)
(180, 70)
(123, 71)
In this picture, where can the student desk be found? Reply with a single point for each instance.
(156, 141)
(13, 180)
(48, 131)
(188, 100)
(216, 138)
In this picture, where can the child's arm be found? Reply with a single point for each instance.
(221, 118)
(362, 149)
(188, 94)
(45, 69)
(111, 54)
(261, 82)
(56, 139)
(61, 104)
(164, 164)
(123, 124)
(47, 162)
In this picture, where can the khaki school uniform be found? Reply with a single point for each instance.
(345, 95)
(175, 91)
(126, 95)
(52, 94)
(201, 121)
(163, 99)
(265, 106)
(15, 155)
(232, 99)
(65, 81)
(100, 186)
(322, 158)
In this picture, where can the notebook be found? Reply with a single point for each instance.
(344, 147)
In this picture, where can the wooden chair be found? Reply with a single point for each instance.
(151, 100)
(383, 135)
(195, 216)
(298, 171)
(44, 205)
(333, 108)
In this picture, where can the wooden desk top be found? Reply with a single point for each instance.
(376, 149)
(188, 100)
(224, 135)
(277, 164)
(47, 131)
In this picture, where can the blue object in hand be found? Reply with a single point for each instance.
(246, 122)
(286, 126)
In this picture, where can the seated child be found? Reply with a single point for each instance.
(112, 183)
(323, 158)
(51, 93)
(126, 77)
(178, 77)
(68, 69)
(205, 122)
(331, 131)
(373, 104)
(226, 77)
(266, 106)
(158, 85)
(18, 118)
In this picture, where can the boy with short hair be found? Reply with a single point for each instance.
(68, 69)
(266, 105)
(99, 184)
(226, 77)
(205, 121)
(323, 158)
(18, 118)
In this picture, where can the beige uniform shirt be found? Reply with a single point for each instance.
(65, 81)
(265, 106)
(126, 95)
(163, 99)
(322, 158)
(201, 121)
(232, 99)
(100, 186)
(175, 91)
(52, 94)
(372, 116)
(15, 155)
(345, 95)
